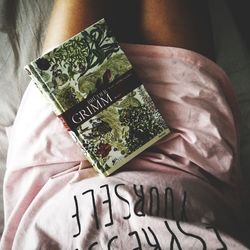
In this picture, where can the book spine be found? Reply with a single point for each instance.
(41, 85)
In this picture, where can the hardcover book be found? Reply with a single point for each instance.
(94, 90)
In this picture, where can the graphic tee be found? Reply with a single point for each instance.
(135, 210)
(181, 193)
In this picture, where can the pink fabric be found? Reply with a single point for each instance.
(199, 158)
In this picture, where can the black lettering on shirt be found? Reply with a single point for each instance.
(123, 199)
(183, 207)
(137, 239)
(174, 238)
(223, 245)
(204, 246)
(169, 203)
(91, 191)
(109, 205)
(139, 205)
(92, 245)
(156, 243)
(157, 202)
(111, 240)
(77, 217)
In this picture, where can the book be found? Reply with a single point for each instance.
(93, 89)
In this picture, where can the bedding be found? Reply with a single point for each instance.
(61, 203)
(22, 25)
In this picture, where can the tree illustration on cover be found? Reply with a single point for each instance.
(72, 71)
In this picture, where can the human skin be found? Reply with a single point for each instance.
(178, 23)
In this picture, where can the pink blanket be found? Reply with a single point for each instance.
(182, 192)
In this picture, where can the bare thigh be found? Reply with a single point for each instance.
(178, 23)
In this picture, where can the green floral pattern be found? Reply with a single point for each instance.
(77, 69)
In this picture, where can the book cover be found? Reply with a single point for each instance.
(93, 89)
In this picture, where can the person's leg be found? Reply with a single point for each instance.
(178, 23)
(70, 17)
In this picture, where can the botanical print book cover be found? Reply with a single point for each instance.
(93, 89)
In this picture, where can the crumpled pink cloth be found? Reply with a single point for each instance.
(195, 98)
